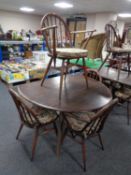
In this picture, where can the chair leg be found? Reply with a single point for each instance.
(128, 63)
(55, 128)
(63, 135)
(34, 143)
(84, 153)
(100, 140)
(84, 65)
(104, 61)
(128, 112)
(119, 68)
(66, 71)
(59, 138)
(61, 79)
(46, 71)
(19, 131)
(60, 141)
(77, 60)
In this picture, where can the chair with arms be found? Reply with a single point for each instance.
(34, 117)
(59, 44)
(124, 95)
(84, 125)
(114, 48)
(95, 45)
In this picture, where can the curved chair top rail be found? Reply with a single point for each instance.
(58, 34)
(112, 38)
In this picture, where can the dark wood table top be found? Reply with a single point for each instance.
(112, 74)
(75, 95)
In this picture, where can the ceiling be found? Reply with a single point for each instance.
(80, 6)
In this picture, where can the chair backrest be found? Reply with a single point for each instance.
(95, 45)
(27, 115)
(98, 120)
(126, 36)
(94, 123)
(94, 74)
(112, 38)
(59, 35)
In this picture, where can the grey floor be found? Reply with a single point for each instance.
(14, 155)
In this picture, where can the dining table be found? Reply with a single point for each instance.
(75, 97)
(111, 74)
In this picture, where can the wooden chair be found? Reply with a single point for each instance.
(95, 45)
(85, 125)
(59, 44)
(115, 50)
(33, 117)
(124, 95)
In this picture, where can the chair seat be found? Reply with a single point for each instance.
(124, 94)
(47, 116)
(44, 116)
(71, 53)
(78, 125)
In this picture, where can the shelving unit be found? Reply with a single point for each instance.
(4, 53)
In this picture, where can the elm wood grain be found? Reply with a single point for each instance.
(75, 97)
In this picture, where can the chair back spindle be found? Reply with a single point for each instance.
(94, 74)
(27, 116)
(112, 37)
(60, 31)
(95, 123)
(85, 125)
(98, 120)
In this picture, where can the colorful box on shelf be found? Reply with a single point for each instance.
(14, 77)
(12, 72)
(20, 69)
(41, 56)
(34, 74)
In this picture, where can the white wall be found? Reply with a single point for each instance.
(91, 19)
(99, 20)
(18, 21)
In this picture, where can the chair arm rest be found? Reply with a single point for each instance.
(53, 28)
(85, 41)
(82, 31)
(48, 28)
